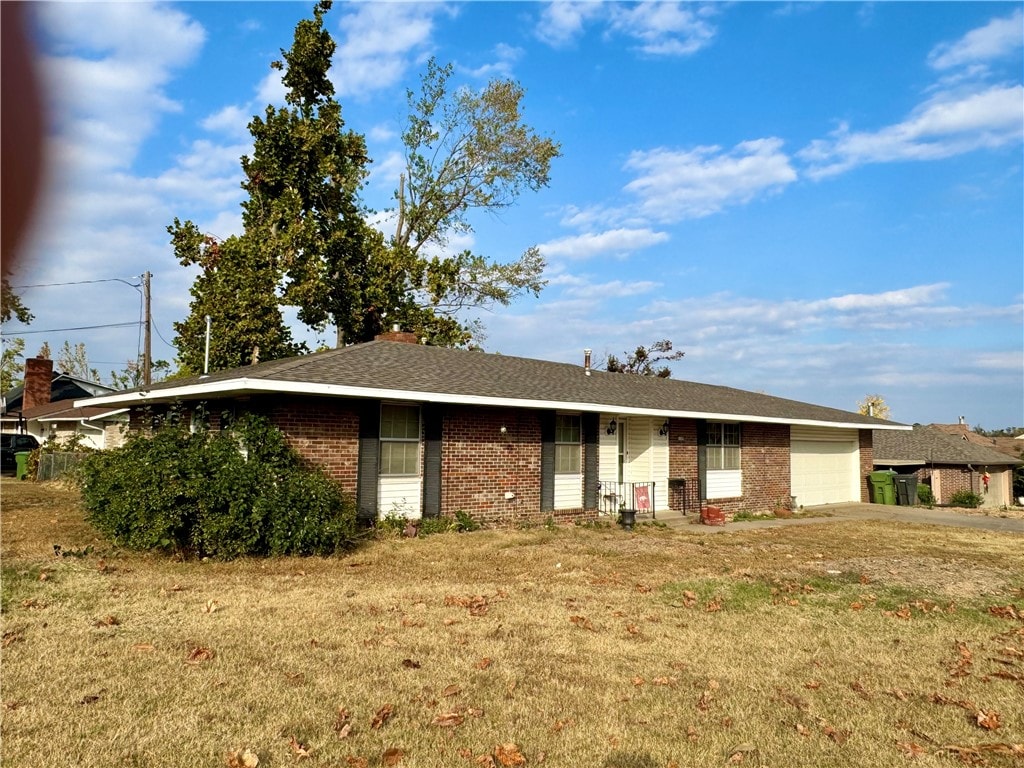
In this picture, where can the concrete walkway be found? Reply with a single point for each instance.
(834, 513)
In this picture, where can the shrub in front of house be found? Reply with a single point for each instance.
(968, 499)
(238, 491)
(925, 495)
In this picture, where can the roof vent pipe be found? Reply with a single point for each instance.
(961, 421)
(396, 327)
(586, 362)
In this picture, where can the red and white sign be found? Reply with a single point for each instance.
(642, 498)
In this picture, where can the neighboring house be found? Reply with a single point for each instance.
(96, 427)
(42, 386)
(419, 431)
(948, 463)
(1008, 445)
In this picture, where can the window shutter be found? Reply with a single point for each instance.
(547, 461)
(369, 460)
(433, 428)
(702, 459)
(591, 423)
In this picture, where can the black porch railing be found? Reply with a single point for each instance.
(684, 495)
(614, 496)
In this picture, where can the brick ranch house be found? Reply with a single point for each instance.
(948, 463)
(423, 431)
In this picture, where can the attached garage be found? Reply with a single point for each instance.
(824, 465)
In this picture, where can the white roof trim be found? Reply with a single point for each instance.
(244, 386)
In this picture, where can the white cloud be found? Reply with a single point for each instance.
(562, 22)
(379, 42)
(616, 241)
(505, 58)
(231, 120)
(999, 38)
(665, 29)
(677, 184)
(946, 125)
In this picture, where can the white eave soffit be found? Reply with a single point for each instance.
(244, 386)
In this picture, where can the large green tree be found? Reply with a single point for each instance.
(236, 289)
(307, 241)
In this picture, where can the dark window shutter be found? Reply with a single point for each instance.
(547, 461)
(702, 460)
(433, 427)
(591, 423)
(369, 460)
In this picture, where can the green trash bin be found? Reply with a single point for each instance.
(883, 487)
(21, 464)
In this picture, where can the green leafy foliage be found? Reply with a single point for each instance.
(307, 243)
(11, 305)
(925, 495)
(644, 360)
(240, 491)
(968, 499)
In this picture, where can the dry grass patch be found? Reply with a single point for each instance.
(832, 645)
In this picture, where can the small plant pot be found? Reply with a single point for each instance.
(712, 516)
(627, 518)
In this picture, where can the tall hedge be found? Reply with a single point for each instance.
(238, 491)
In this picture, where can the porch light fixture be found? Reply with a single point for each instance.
(612, 426)
(664, 429)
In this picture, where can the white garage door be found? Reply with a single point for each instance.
(825, 465)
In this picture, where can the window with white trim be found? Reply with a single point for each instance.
(399, 439)
(723, 446)
(567, 444)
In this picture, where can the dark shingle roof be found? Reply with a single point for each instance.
(413, 368)
(929, 445)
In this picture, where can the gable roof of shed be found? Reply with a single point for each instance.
(387, 369)
(928, 445)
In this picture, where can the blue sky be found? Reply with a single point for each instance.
(818, 201)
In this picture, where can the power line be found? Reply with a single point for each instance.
(80, 282)
(11, 334)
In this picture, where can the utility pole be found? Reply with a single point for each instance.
(147, 352)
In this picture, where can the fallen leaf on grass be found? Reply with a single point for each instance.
(812, 685)
(858, 687)
(241, 758)
(975, 752)
(582, 621)
(803, 730)
(107, 621)
(911, 748)
(508, 755)
(211, 606)
(91, 698)
(144, 647)
(299, 751)
(199, 655)
(452, 690)
(410, 664)
(838, 735)
(357, 762)
(448, 720)
(13, 636)
(1004, 611)
(484, 663)
(988, 720)
(392, 756)
(561, 724)
(383, 715)
(342, 726)
(738, 752)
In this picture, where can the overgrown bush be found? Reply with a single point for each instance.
(239, 491)
(968, 499)
(925, 495)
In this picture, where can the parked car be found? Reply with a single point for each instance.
(10, 444)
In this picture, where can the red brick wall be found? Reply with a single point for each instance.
(682, 461)
(764, 459)
(765, 453)
(954, 479)
(867, 464)
(323, 430)
(479, 464)
(38, 378)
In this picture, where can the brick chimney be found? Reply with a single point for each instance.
(397, 334)
(38, 376)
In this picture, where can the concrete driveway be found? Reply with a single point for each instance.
(833, 513)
